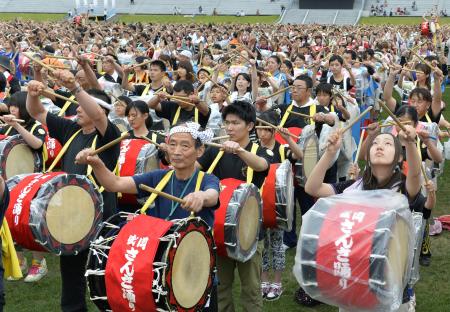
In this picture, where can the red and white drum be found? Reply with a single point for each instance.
(16, 157)
(55, 212)
(355, 250)
(136, 157)
(309, 144)
(149, 264)
(425, 29)
(238, 220)
(278, 197)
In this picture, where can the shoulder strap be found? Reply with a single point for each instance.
(177, 115)
(196, 115)
(158, 187)
(66, 106)
(282, 152)
(286, 115)
(200, 177)
(249, 169)
(8, 131)
(147, 87)
(312, 112)
(428, 117)
(63, 151)
(154, 137)
(215, 162)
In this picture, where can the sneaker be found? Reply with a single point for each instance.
(23, 267)
(301, 297)
(37, 271)
(265, 288)
(425, 260)
(275, 292)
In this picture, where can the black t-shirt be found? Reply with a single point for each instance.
(232, 166)
(339, 84)
(139, 89)
(63, 129)
(169, 110)
(4, 202)
(72, 109)
(277, 154)
(300, 122)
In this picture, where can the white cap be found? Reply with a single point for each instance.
(186, 53)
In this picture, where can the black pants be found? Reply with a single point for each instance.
(73, 282)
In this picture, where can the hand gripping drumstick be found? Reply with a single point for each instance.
(50, 69)
(110, 144)
(299, 114)
(218, 145)
(358, 150)
(165, 195)
(16, 120)
(141, 64)
(274, 127)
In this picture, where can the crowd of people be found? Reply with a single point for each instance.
(169, 82)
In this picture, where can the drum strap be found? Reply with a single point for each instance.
(63, 151)
(146, 90)
(428, 117)
(163, 183)
(66, 106)
(215, 162)
(177, 115)
(8, 131)
(312, 112)
(282, 152)
(286, 115)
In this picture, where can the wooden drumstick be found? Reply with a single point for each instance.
(15, 120)
(141, 64)
(165, 195)
(218, 145)
(278, 92)
(358, 150)
(224, 137)
(110, 144)
(263, 127)
(299, 114)
(180, 100)
(354, 121)
(62, 57)
(161, 193)
(401, 126)
(50, 69)
(149, 140)
(49, 91)
(424, 60)
(274, 127)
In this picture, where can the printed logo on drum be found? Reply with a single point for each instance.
(18, 205)
(127, 270)
(342, 266)
(51, 146)
(124, 148)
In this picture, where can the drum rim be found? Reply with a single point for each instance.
(7, 144)
(288, 207)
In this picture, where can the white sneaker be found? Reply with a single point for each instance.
(275, 292)
(37, 271)
(23, 267)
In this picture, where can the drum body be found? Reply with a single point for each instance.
(238, 220)
(425, 29)
(151, 264)
(136, 157)
(293, 130)
(278, 197)
(55, 212)
(354, 254)
(309, 144)
(16, 157)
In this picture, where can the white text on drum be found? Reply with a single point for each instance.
(342, 266)
(127, 270)
(124, 147)
(17, 209)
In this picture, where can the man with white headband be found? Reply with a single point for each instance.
(185, 145)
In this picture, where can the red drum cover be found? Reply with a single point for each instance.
(269, 198)
(293, 130)
(425, 29)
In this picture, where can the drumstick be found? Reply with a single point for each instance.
(141, 64)
(299, 114)
(392, 116)
(148, 140)
(220, 138)
(163, 194)
(61, 57)
(358, 150)
(51, 69)
(424, 61)
(182, 101)
(354, 121)
(274, 127)
(263, 127)
(49, 91)
(278, 92)
(110, 144)
(14, 119)
(218, 145)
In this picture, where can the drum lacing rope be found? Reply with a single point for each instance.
(171, 237)
(157, 288)
(97, 272)
(99, 298)
(110, 225)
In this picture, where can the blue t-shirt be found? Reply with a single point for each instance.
(175, 187)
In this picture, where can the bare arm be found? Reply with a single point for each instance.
(125, 83)
(437, 96)
(29, 138)
(34, 104)
(89, 73)
(412, 156)
(387, 93)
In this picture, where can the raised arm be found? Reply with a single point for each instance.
(388, 88)
(408, 139)
(28, 137)
(34, 104)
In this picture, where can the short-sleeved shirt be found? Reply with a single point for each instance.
(63, 129)
(71, 109)
(169, 110)
(175, 187)
(297, 121)
(339, 84)
(140, 88)
(232, 166)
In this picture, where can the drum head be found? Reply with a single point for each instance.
(191, 269)
(398, 254)
(20, 160)
(70, 214)
(289, 201)
(148, 159)
(248, 229)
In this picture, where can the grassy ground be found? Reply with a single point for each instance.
(152, 18)
(398, 20)
(433, 292)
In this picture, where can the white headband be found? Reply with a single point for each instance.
(193, 129)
